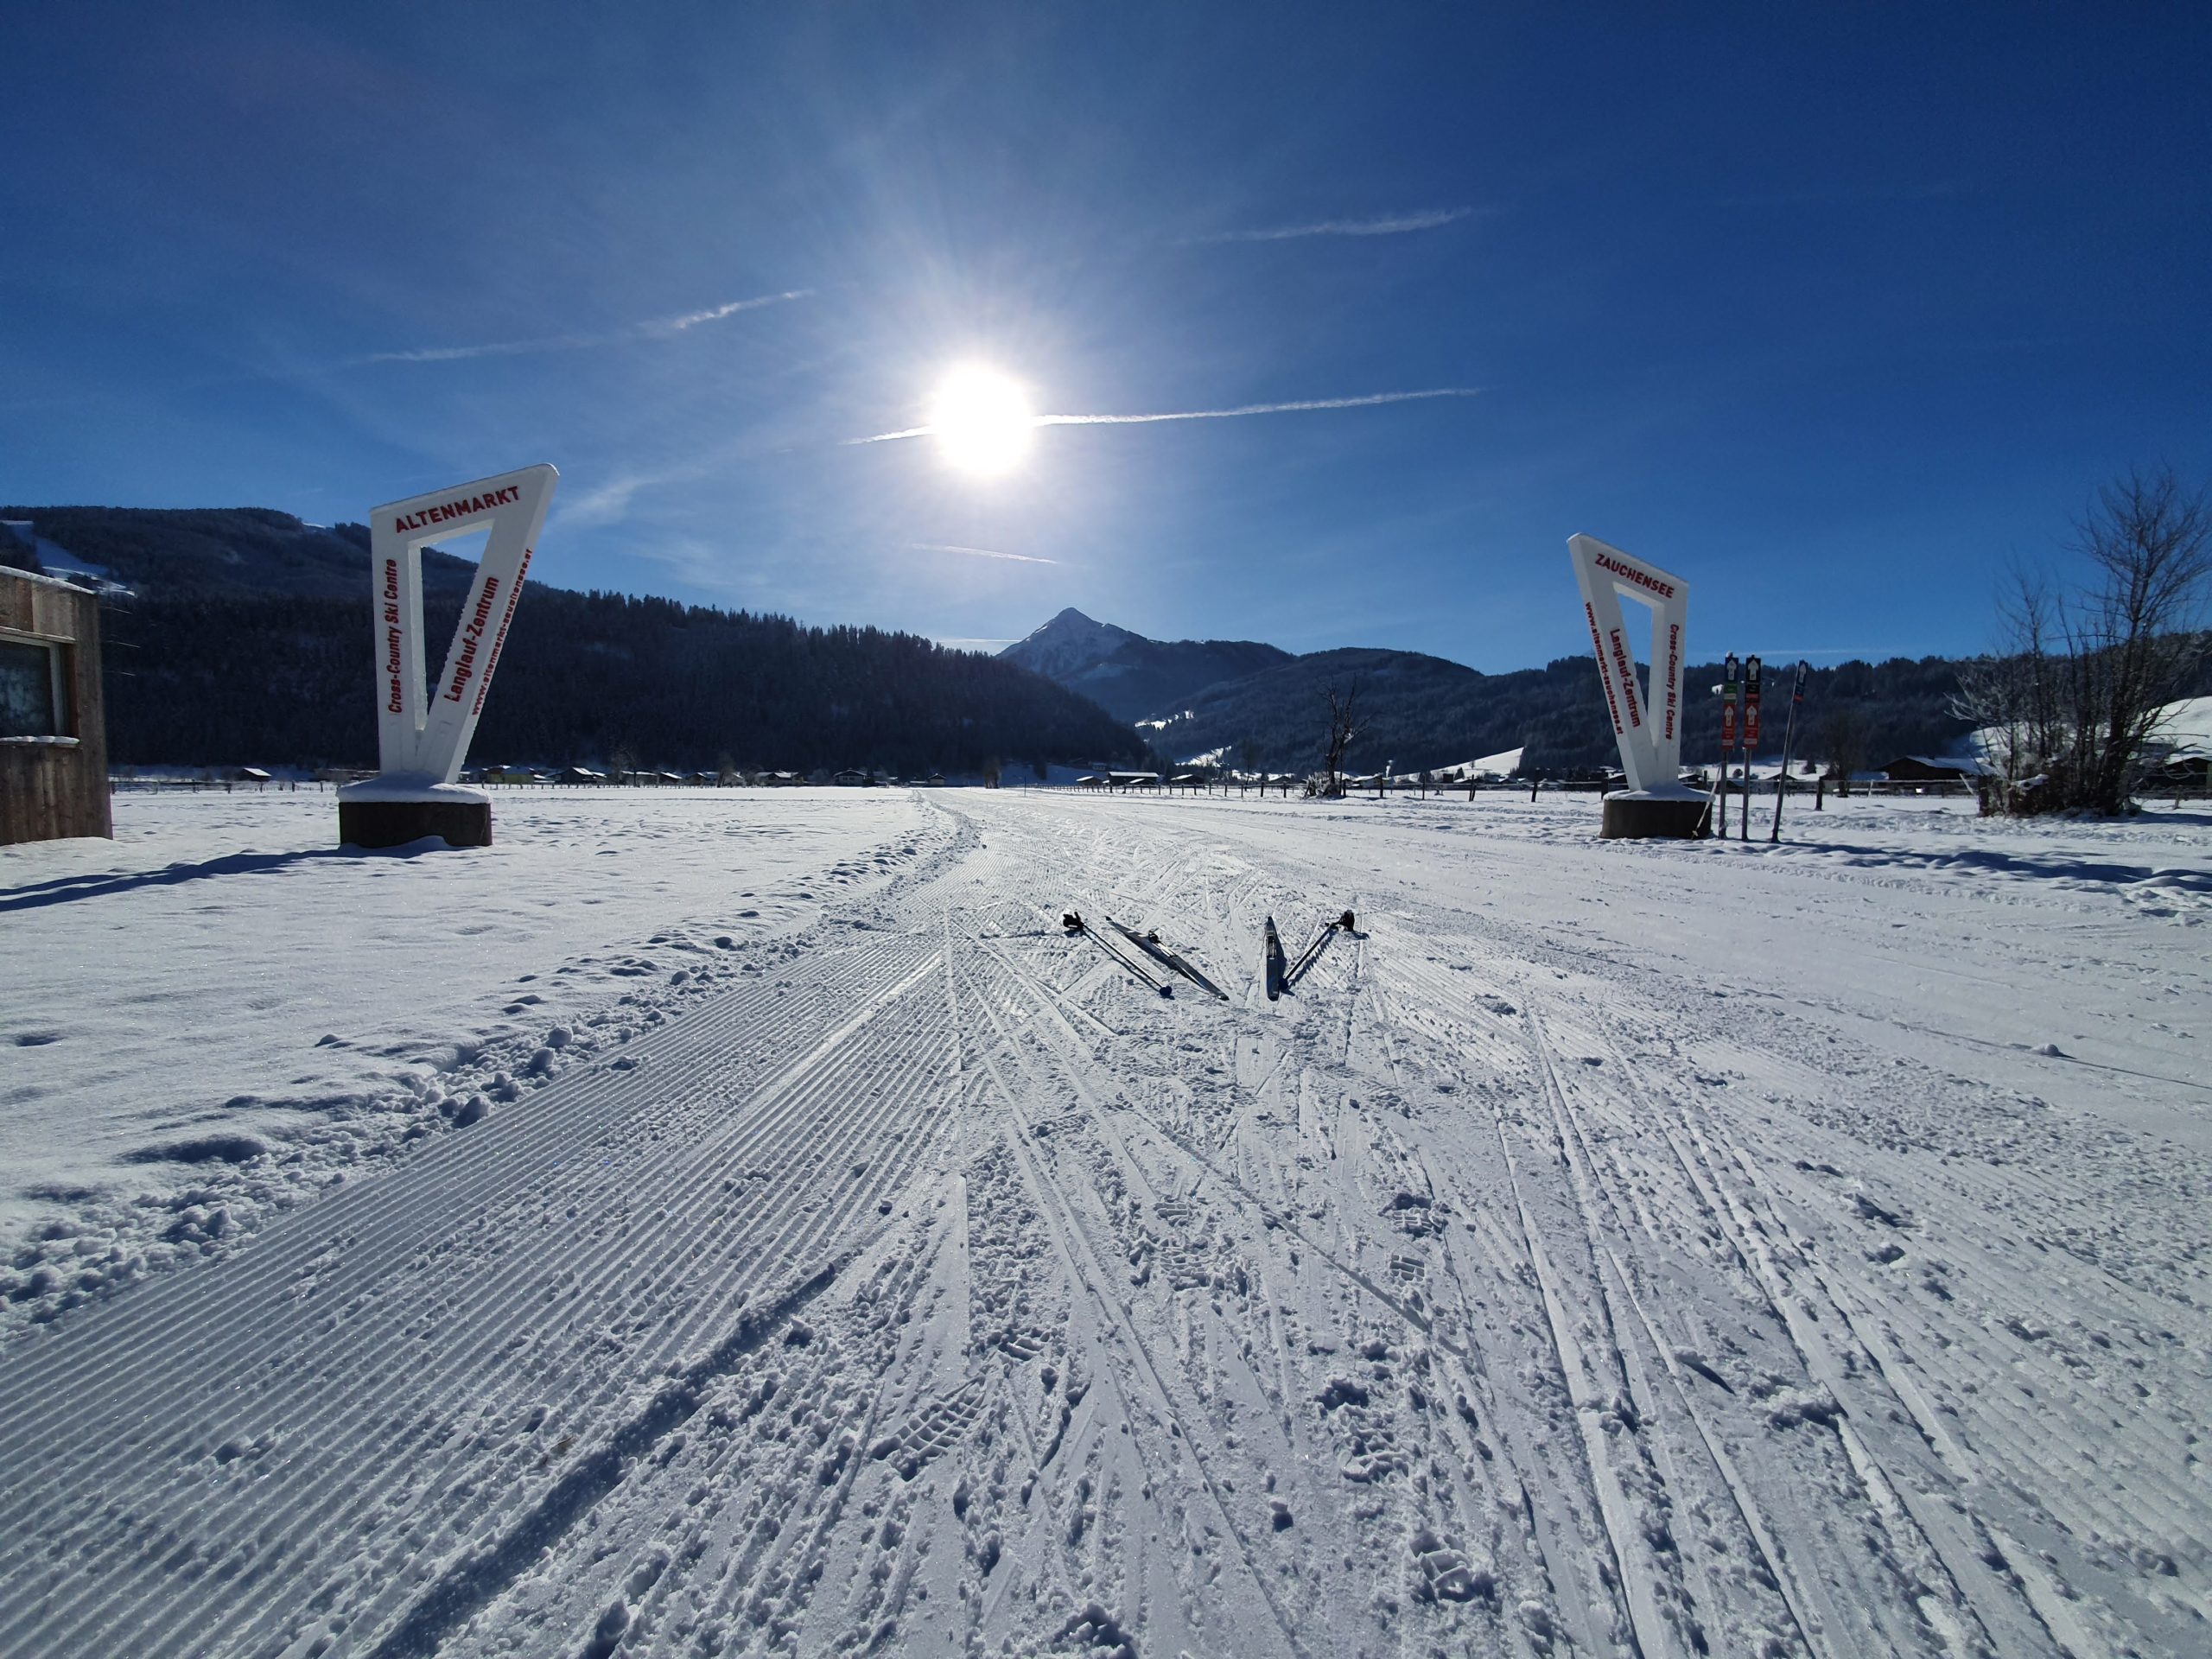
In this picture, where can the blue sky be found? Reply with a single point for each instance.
(1832, 310)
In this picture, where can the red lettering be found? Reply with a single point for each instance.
(1598, 645)
(444, 511)
(501, 637)
(1664, 589)
(1627, 669)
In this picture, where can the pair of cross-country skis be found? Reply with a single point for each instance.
(1279, 973)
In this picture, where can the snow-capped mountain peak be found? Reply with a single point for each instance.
(1067, 644)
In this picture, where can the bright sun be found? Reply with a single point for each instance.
(982, 420)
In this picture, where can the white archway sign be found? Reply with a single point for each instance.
(1647, 719)
(423, 730)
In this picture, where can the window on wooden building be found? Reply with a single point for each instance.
(31, 700)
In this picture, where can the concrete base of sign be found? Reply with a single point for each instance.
(1643, 815)
(376, 814)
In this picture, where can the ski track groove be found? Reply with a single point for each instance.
(468, 1358)
(1648, 1631)
(1574, 1141)
(1269, 1216)
(1884, 1494)
(277, 1251)
(1070, 1237)
(707, 1312)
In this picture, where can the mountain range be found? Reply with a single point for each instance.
(1239, 703)
(1128, 675)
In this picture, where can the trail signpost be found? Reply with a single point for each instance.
(423, 730)
(1647, 720)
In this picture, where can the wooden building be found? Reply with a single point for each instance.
(1939, 769)
(53, 719)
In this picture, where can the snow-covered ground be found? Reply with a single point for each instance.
(1607, 1248)
(222, 1008)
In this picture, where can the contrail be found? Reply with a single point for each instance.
(981, 552)
(494, 348)
(1368, 402)
(1391, 225)
(676, 325)
(654, 328)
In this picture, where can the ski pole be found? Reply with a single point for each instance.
(1312, 953)
(1074, 923)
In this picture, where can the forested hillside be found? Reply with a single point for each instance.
(588, 677)
(1418, 712)
(248, 552)
(244, 637)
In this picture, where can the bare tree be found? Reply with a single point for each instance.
(1843, 736)
(2016, 699)
(1344, 730)
(2073, 700)
(2136, 639)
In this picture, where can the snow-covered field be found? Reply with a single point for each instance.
(744, 1222)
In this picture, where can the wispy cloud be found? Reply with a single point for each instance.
(1389, 225)
(716, 314)
(491, 348)
(654, 328)
(605, 504)
(981, 552)
(1298, 406)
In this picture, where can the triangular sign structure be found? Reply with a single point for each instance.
(427, 744)
(1647, 720)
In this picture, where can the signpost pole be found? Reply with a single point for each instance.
(1731, 687)
(1751, 737)
(1788, 737)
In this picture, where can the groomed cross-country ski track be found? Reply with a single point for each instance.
(1598, 1250)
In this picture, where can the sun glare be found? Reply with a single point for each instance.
(982, 421)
